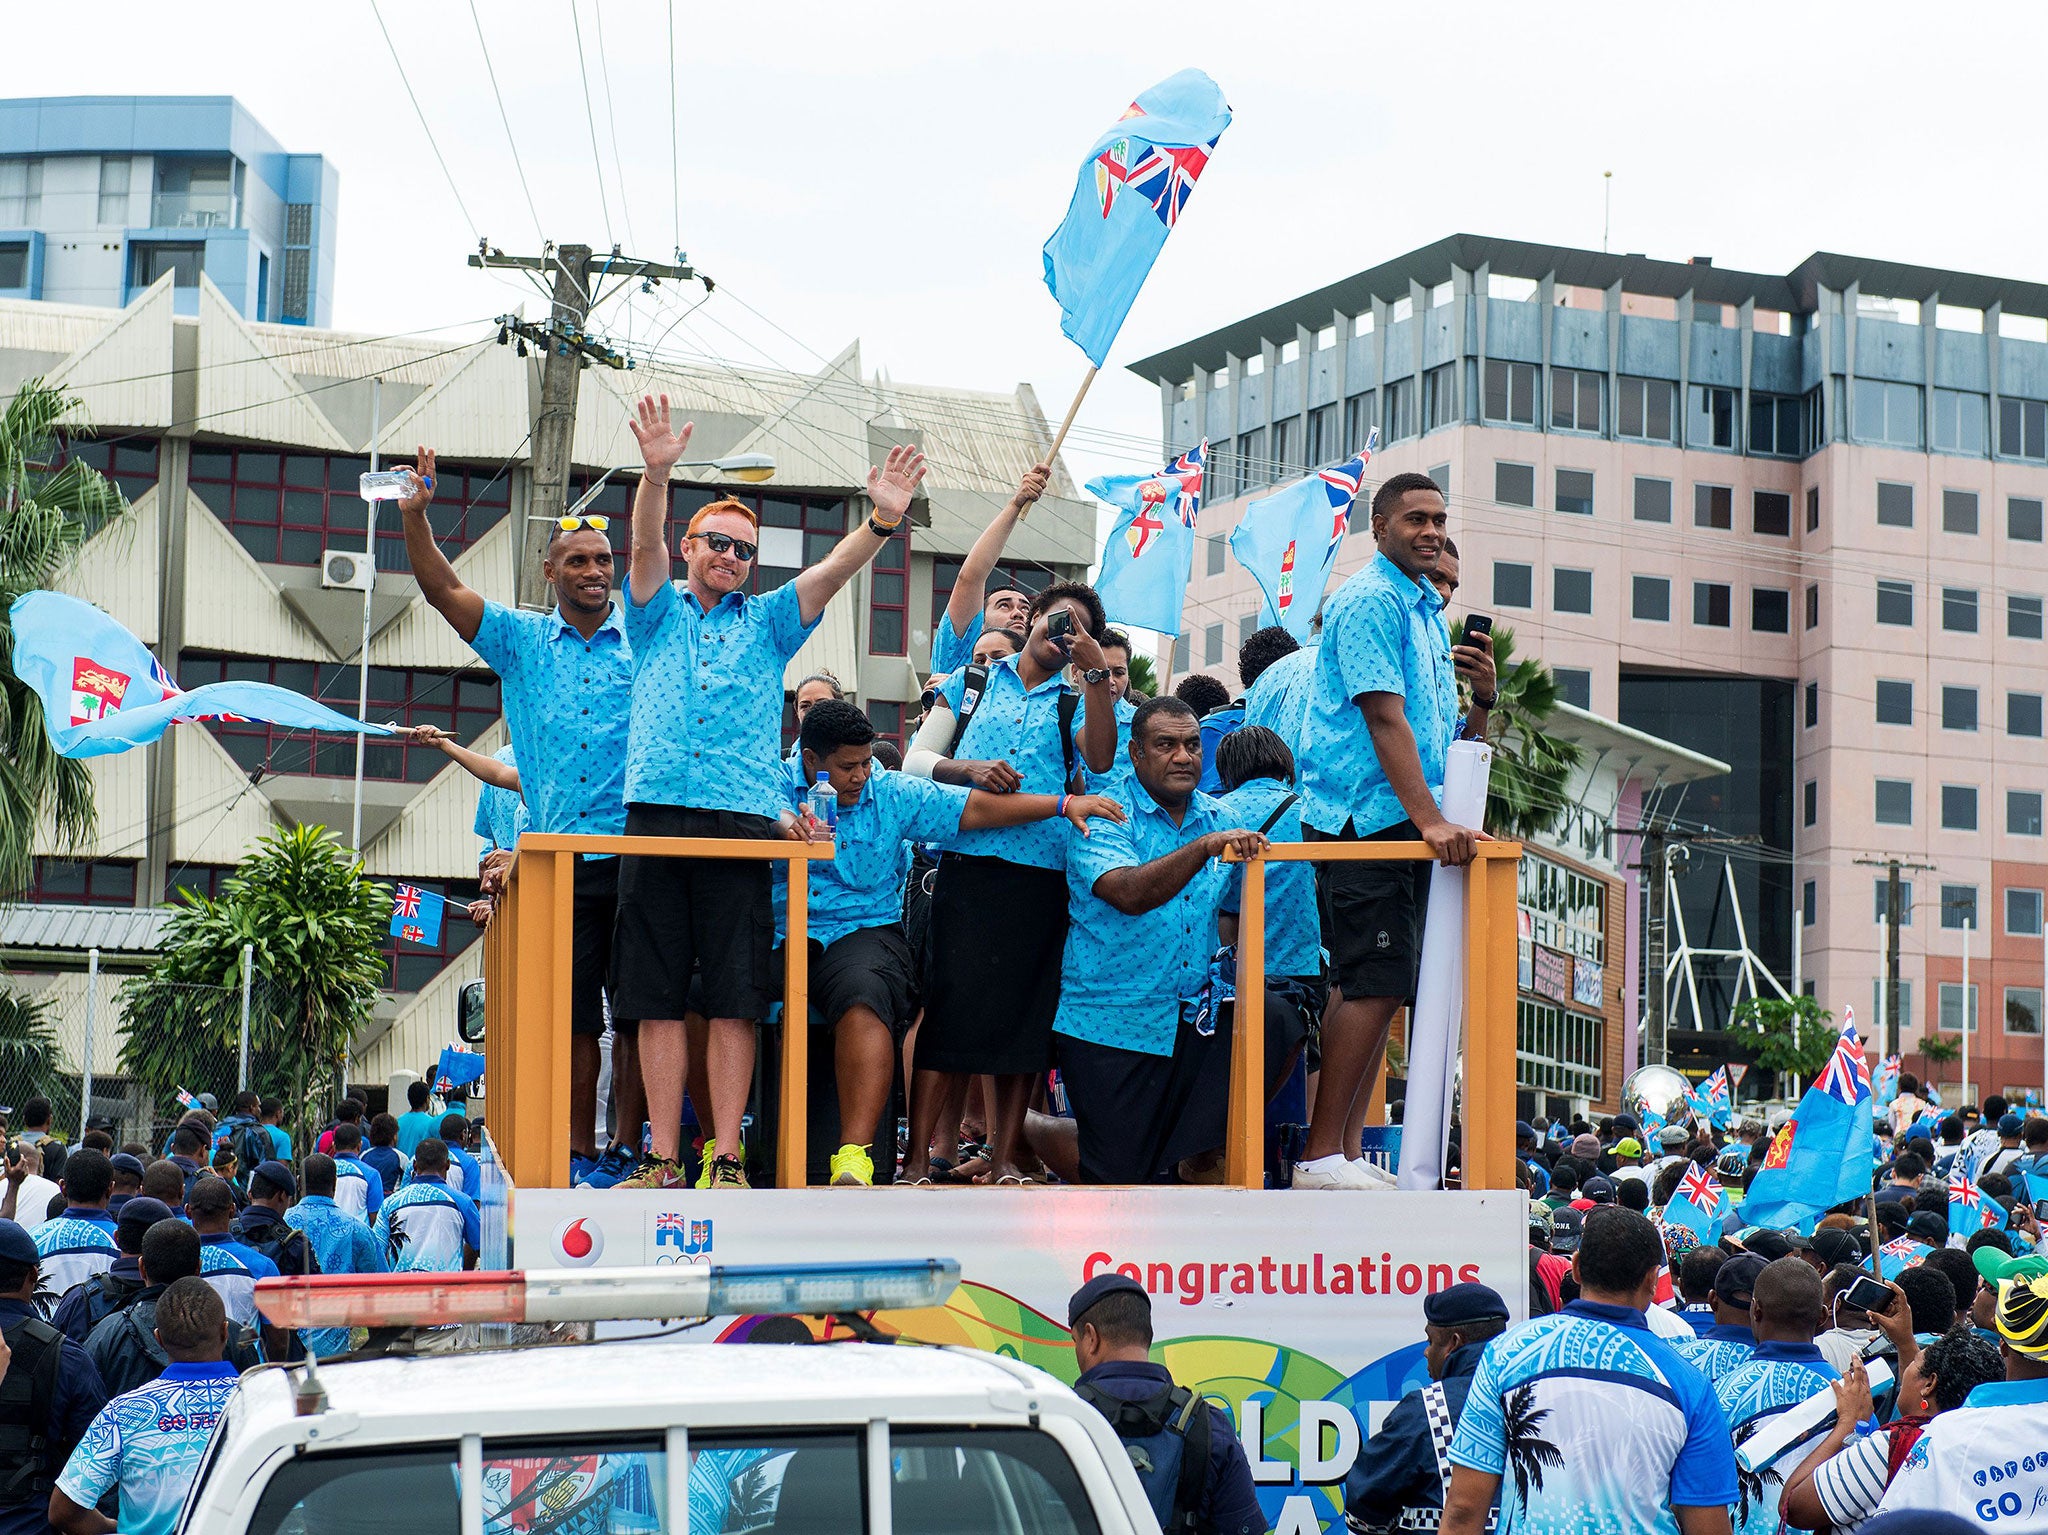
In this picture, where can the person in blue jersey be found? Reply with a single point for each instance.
(861, 973)
(1785, 1369)
(226, 1262)
(148, 1442)
(359, 1188)
(975, 606)
(123, 1345)
(86, 1305)
(340, 1242)
(427, 1226)
(464, 1172)
(1696, 1275)
(382, 1155)
(1279, 698)
(566, 679)
(999, 901)
(1730, 1341)
(1261, 648)
(64, 1391)
(79, 1244)
(703, 759)
(1584, 1422)
(418, 1121)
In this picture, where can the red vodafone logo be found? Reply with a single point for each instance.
(579, 1242)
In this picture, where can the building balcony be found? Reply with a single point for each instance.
(193, 210)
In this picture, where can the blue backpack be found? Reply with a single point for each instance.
(1167, 1438)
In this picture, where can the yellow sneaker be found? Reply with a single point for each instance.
(704, 1167)
(729, 1173)
(852, 1167)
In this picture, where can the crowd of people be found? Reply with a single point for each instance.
(1029, 921)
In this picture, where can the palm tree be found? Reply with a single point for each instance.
(1531, 767)
(1144, 678)
(46, 517)
(1527, 1454)
(30, 1057)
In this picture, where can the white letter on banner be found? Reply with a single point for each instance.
(1298, 1517)
(1316, 1470)
(1433, 1032)
(1251, 1433)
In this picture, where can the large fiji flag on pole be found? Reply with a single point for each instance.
(103, 692)
(1822, 1156)
(1151, 550)
(1130, 192)
(1288, 541)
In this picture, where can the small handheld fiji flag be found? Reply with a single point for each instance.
(459, 1067)
(186, 1100)
(1970, 1209)
(1900, 1254)
(1697, 1205)
(416, 915)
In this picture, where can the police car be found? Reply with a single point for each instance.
(654, 1434)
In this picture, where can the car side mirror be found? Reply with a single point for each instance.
(469, 1013)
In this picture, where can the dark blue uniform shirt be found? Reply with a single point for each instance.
(1230, 1502)
(1397, 1468)
(80, 1395)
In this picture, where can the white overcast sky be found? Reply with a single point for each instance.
(889, 172)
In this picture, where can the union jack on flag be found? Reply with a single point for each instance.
(1846, 1077)
(1343, 482)
(164, 680)
(407, 902)
(1700, 1188)
(1164, 176)
(1962, 1191)
(1178, 488)
(1715, 1088)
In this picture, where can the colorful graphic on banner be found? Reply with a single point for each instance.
(1587, 979)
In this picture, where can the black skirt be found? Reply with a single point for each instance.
(998, 936)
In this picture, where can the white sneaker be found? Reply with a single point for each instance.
(1375, 1175)
(1331, 1172)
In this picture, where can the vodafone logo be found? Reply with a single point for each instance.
(579, 1242)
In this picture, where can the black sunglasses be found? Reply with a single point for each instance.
(722, 543)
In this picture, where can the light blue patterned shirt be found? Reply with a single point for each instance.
(75, 1248)
(148, 1442)
(862, 885)
(1595, 1426)
(341, 1245)
(707, 697)
(566, 703)
(1777, 1376)
(1123, 978)
(1382, 633)
(425, 1225)
(1279, 699)
(1120, 766)
(1294, 936)
(952, 651)
(1720, 1349)
(233, 1268)
(500, 814)
(1020, 727)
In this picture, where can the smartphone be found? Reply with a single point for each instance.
(1477, 627)
(1868, 1294)
(1060, 626)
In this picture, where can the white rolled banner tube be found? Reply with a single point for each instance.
(1433, 1025)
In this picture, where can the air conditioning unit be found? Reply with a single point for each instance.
(348, 570)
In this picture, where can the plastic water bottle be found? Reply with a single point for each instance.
(386, 484)
(823, 802)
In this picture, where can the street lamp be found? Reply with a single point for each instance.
(752, 468)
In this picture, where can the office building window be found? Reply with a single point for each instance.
(1953, 1012)
(1643, 409)
(1713, 506)
(1361, 415)
(1652, 500)
(1442, 475)
(1514, 484)
(1808, 901)
(1514, 586)
(1650, 599)
(1959, 422)
(1905, 902)
(286, 508)
(1710, 418)
(1958, 708)
(1770, 610)
(1575, 492)
(1247, 626)
(1322, 436)
(1812, 704)
(2023, 715)
(1895, 603)
(1813, 604)
(1809, 795)
(1813, 509)
(1710, 604)
(1813, 419)
(1959, 511)
(1574, 686)
(1894, 505)
(889, 598)
(1894, 802)
(1511, 392)
(1959, 907)
(1440, 397)
(1571, 591)
(1212, 559)
(115, 173)
(2022, 912)
(1178, 665)
(887, 718)
(2022, 616)
(1219, 479)
(1400, 409)
(1770, 511)
(1774, 424)
(1958, 807)
(2022, 813)
(1887, 413)
(1286, 435)
(1575, 400)
(21, 193)
(1212, 644)
(2022, 1010)
(102, 882)
(1253, 467)
(148, 262)
(2023, 519)
(2022, 424)
(946, 572)
(1894, 702)
(13, 264)
(1958, 610)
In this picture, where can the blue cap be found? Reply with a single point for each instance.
(2009, 1124)
(16, 1245)
(278, 1176)
(126, 1162)
(143, 1211)
(1096, 1289)
(1463, 1305)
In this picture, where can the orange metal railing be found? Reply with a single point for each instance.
(527, 962)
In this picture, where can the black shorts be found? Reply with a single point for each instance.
(1372, 916)
(1138, 1114)
(998, 937)
(679, 914)
(1204, 1119)
(596, 905)
(870, 967)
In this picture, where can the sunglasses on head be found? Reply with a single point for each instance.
(572, 523)
(724, 543)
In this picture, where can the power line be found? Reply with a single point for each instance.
(504, 116)
(589, 116)
(432, 143)
(611, 112)
(675, 137)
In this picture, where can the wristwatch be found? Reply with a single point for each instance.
(1485, 703)
(1095, 674)
(883, 529)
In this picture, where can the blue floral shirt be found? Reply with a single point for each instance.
(341, 1245)
(1279, 699)
(862, 885)
(1777, 1376)
(1294, 935)
(500, 814)
(148, 1442)
(1022, 727)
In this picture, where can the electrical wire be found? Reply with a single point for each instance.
(506, 118)
(675, 138)
(611, 112)
(590, 116)
(432, 142)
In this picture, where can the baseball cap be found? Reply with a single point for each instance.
(1928, 1227)
(1567, 1227)
(1673, 1135)
(1837, 1246)
(1599, 1190)
(1463, 1305)
(143, 1211)
(1735, 1280)
(277, 1175)
(1629, 1146)
(16, 1245)
(1769, 1244)
(2009, 1124)
(1096, 1289)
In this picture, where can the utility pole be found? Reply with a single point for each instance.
(1894, 916)
(567, 348)
(1650, 1049)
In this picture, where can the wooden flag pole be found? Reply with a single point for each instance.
(1052, 453)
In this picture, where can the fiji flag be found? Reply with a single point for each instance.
(103, 692)
(459, 1067)
(1886, 1087)
(1821, 1158)
(1900, 1254)
(1127, 198)
(1970, 1209)
(1289, 541)
(1698, 1205)
(416, 915)
(1151, 550)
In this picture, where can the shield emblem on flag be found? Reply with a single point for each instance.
(96, 691)
(1781, 1145)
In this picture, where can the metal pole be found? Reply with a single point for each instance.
(248, 976)
(92, 1002)
(355, 835)
(1969, 922)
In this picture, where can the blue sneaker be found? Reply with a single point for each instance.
(580, 1168)
(614, 1167)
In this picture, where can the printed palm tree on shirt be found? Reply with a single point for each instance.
(1527, 1454)
(1752, 1486)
